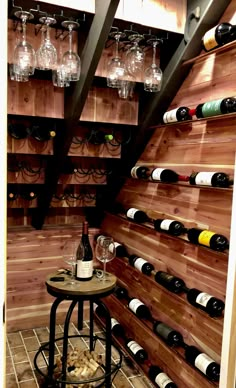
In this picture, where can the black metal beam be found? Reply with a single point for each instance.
(75, 99)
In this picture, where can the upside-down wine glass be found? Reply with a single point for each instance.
(153, 74)
(135, 57)
(71, 60)
(24, 59)
(69, 256)
(59, 75)
(116, 67)
(105, 251)
(46, 55)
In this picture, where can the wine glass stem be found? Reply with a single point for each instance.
(24, 29)
(70, 39)
(104, 270)
(154, 54)
(47, 33)
(117, 47)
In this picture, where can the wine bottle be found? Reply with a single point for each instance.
(100, 137)
(68, 167)
(120, 250)
(170, 282)
(202, 300)
(178, 114)
(121, 293)
(18, 130)
(137, 215)
(170, 336)
(28, 195)
(215, 179)
(40, 133)
(161, 379)
(139, 354)
(84, 257)
(99, 310)
(207, 238)
(139, 308)
(116, 328)
(215, 108)
(175, 228)
(12, 194)
(166, 175)
(140, 172)
(142, 265)
(219, 35)
(203, 362)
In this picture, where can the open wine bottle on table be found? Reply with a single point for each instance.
(84, 257)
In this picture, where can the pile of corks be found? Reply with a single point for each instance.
(80, 366)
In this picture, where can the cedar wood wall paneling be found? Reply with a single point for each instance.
(206, 145)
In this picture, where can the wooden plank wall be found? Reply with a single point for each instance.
(31, 256)
(202, 145)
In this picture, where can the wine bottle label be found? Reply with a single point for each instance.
(95, 306)
(165, 224)
(205, 236)
(170, 117)
(131, 212)
(202, 361)
(156, 174)
(133, 171)
(209, 40)
(165, 276)
(163, 330)
(84, 269)
(134, 304)
(134, 347)
(114, 322)
(211, 108)
(203, 298)
(139, 262)
(162, 380)
(204, 178)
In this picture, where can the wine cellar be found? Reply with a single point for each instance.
(153, 171)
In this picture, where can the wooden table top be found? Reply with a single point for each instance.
(93, 287)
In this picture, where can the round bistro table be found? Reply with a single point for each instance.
(78, 293)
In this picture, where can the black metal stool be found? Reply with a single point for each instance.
(90, 291)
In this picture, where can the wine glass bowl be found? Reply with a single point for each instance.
(116, 67)
(105, 251)
(46, 55)
(69, 257)
(135, 57)
(71, 60)
(153, 74)
(24, 58)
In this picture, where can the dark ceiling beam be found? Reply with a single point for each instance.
(75, 99)
(175, 73)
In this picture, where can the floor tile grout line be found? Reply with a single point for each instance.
(13, 364)
(27, 352)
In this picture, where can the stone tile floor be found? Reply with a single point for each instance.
(22, 346)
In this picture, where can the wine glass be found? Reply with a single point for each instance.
(105, 251)
(69, 256)
(24, 58)
(46, 55)
(71, 60)
(116, 67)
(59, 75)
(135, 57)
(153, 74)
(126, 88)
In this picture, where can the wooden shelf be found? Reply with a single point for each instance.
(188, 122)
(216, 51)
